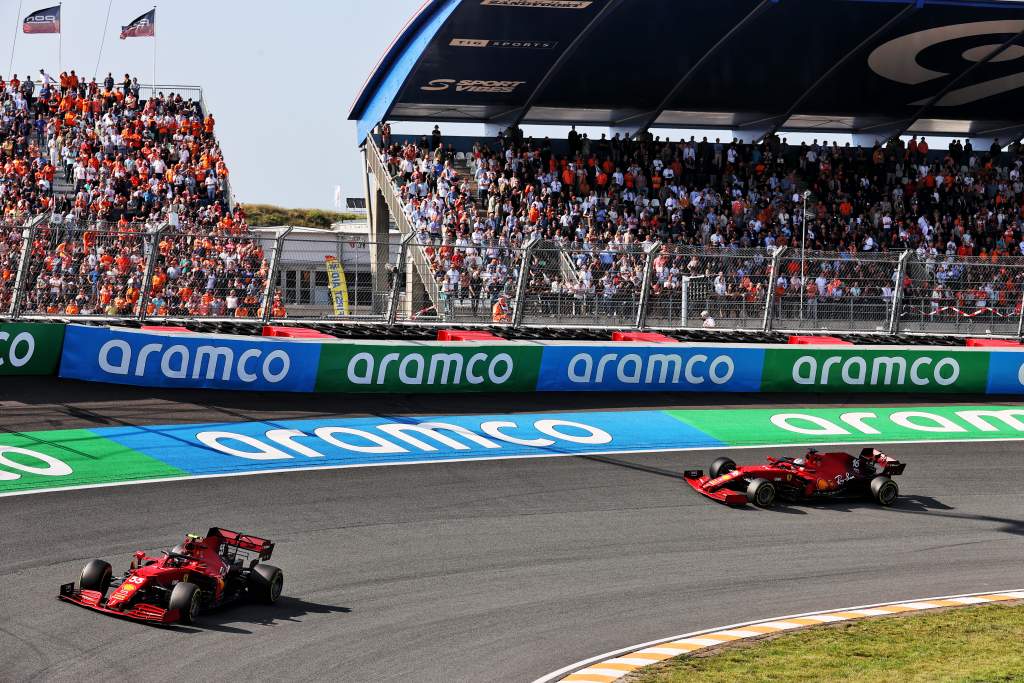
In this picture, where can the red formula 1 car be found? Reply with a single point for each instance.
(816, 475)
(201, 573)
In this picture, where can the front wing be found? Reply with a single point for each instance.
(139, 612)
(696, 479)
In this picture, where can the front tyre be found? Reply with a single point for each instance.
(265, 583)
(761, 493)
(721, 466)
(96, 577)
(185, 597)
(884, 490)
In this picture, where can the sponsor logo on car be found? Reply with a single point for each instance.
(478, 86)
(543, 4)
(520, 44)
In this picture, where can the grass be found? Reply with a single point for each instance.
(983, 644)
(258, 215)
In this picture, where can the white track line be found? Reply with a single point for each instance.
(523, 456)
(621, 656)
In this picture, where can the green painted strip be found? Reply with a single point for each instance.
(764, 427)
(73, 457)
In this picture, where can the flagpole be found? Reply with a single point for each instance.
(60, 37)
(154, 52)
(99, 56)
(19, 19)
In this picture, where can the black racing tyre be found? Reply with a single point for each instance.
(884, 490)
(761, 493)
(96, 576)
(265, 583)
(186, 598)
(721, 466)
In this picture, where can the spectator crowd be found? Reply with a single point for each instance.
(718, 211)
(108, 168)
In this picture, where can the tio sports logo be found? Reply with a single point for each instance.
(472, 85)
(517, 44)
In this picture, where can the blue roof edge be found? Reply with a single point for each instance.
(383, 87)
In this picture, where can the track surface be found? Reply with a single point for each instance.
(482, 571)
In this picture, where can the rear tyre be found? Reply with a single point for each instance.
(96, 576)
(185, 597)
(265, 583)
(761, 493)
(884, 490)
(721, 466)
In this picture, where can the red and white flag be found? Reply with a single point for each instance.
(143, 27)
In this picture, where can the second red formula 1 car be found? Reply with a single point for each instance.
(816, 475)
(201, 573)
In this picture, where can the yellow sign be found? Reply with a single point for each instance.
(337, 285)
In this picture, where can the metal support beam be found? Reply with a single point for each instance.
(27, 235)
(650, 253)
(769, 297)
(581, 37)
(275, 265)
(153, 239)
(794, 108)
(524, 275)
(707, 56)
(396, 286)
(897, 292)
(928, 104)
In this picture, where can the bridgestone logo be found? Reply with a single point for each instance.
(881, 370)
(177, 362)
(439, 369)
(543, 4)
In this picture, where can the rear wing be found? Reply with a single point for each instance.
(892, 465)
(261, 546)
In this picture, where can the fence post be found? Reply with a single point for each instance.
(769, 297)
(27, 233)
(645, 284)
(524, 275)
(897, 293)
(396, 288)
(275, 263)
(1020, 319)
(147, 279)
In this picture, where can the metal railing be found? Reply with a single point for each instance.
(159, 271)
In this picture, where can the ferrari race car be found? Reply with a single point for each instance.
(201, 573)
(816, 475)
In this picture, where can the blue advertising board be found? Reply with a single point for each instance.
(123, 356)
(1005, 372)
(616, 367)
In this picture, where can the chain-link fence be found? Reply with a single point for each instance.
(147, 271)
(962, 295)
(834, 291)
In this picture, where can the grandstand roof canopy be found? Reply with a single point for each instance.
(953, 67)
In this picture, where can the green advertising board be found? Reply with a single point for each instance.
(849, 369)
(428, 368)
(30, 348)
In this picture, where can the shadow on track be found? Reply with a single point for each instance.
(284, 610)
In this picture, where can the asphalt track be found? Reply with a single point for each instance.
(479, 571)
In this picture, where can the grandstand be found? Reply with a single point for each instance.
(117, 203)
(609, 230)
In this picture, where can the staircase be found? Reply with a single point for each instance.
(416, 252)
